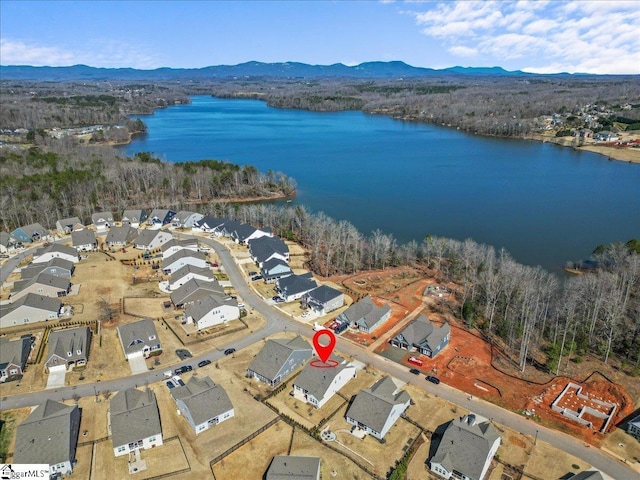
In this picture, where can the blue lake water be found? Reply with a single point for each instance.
(543, 203)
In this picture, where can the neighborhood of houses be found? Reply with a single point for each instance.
(43, 295)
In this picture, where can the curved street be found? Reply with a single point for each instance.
(277, 321)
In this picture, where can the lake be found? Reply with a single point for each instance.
(543, 203)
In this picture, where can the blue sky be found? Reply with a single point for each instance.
(535, 36)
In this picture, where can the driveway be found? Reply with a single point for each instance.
(56, 377)
(137, 364)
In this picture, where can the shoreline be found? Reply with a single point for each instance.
(620, 154)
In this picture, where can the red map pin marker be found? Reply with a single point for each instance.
(324, 351)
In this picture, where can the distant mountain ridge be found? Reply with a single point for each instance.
(248, 69)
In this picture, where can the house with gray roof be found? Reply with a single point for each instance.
(42, 284)
(151, 239)
(244, 232)
(135, 421)
(375, 409)
(210, 310)
(55, 250)
(133, 217)
(121, 236)
(203, 403)
(323, 299)
(229, 228)
(68, 348)
(139, 338)
(316, 386)
(188, 272)
(294, 287)
(181, 258)
(30, 308)
(289, 467)
(278, 358)
(13, 356)
(265, 248)
(160, 217)
(30, 233)
(57, 267)
(102, 220)
(466, 449)
(174, 245)
(423, 336)
(209, 224)
(49, 435)
(8, 243)
(365, 315)
(185, 219)
(84, 240)
(633, 427)
(65, 226)
(193, 290)
(274, 269)
(591, 474)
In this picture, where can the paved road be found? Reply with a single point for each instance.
(277, 321)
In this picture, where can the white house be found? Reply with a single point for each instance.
(102, 220)
(210, 310)
(152, 239)
(55, 250)
(317, 385)
(633, 427)
(377, 408)
(208, 224)
(139, 338)
(203, 403)
(8, 243)
(84, 240)
(31, 308)
(133, 217)
(182, 258)
(188, 272)
(135, 421)
(185, 219)
(65, 226)
(174, 245)
(294, 287)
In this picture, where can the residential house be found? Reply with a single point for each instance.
(185, 219)
(591, 474)
(606, 136)
(265, 248)
(174, 245)
(139, 338)
(42, 284)
(49, 435)
(466, 448)
(84, 240)
(121, 236)
(55, 250)
(188, 272)
(133, 218)
(278, 358)
(274, 269)
(365, 315)
(68, 348)
(13, 356)
(30, 233)
(375, 409)
(229, 227)
(323, 299)
(182, 258)
(102, 220)
(135, 421)
(57, 267)
(209, 225)
(8, 243)
(423, 336)
(203, 403)
(160, 217)
(316, 385)
(31, 308)
(633, 427)
(244, 232)
(289, 467)
(65, 226)
(193, 290)
(293, 287)
(152, 239)
(210, 310)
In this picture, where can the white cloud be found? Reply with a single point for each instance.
(577, 36)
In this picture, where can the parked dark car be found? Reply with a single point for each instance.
(229, 351)
(433, 379)
(415, 371)
(256, 277)
(251, 274)
(204, 363)
(184, 369)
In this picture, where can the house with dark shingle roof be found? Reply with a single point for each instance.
(102, 220)
(189, 272)
(121, 236)
(159, 217)
(49, 435)
(323, 299)
(139, 338)
(365, 315)
(152, 239)
(13, 356)
(30, 308)
(467, 447)
(633, 427)
(203, 403)
(42, 284)
(68, 348)
(8, 243)
(84, 240)
(265, 248)
(316, 385)
(375, 409)
(55, 250)
(57, 267)
(181, 258)
(278, 358)
(135, 421)
(174, 245)
(30, 233)
(591, 474)
(65, 226)
(289, 467)
(244, 232)
(212, 309)
(293, 287)
(185, 219)
(210, 224)
(193, 290)
(133, 217)
(274, 269)
(423, 336)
